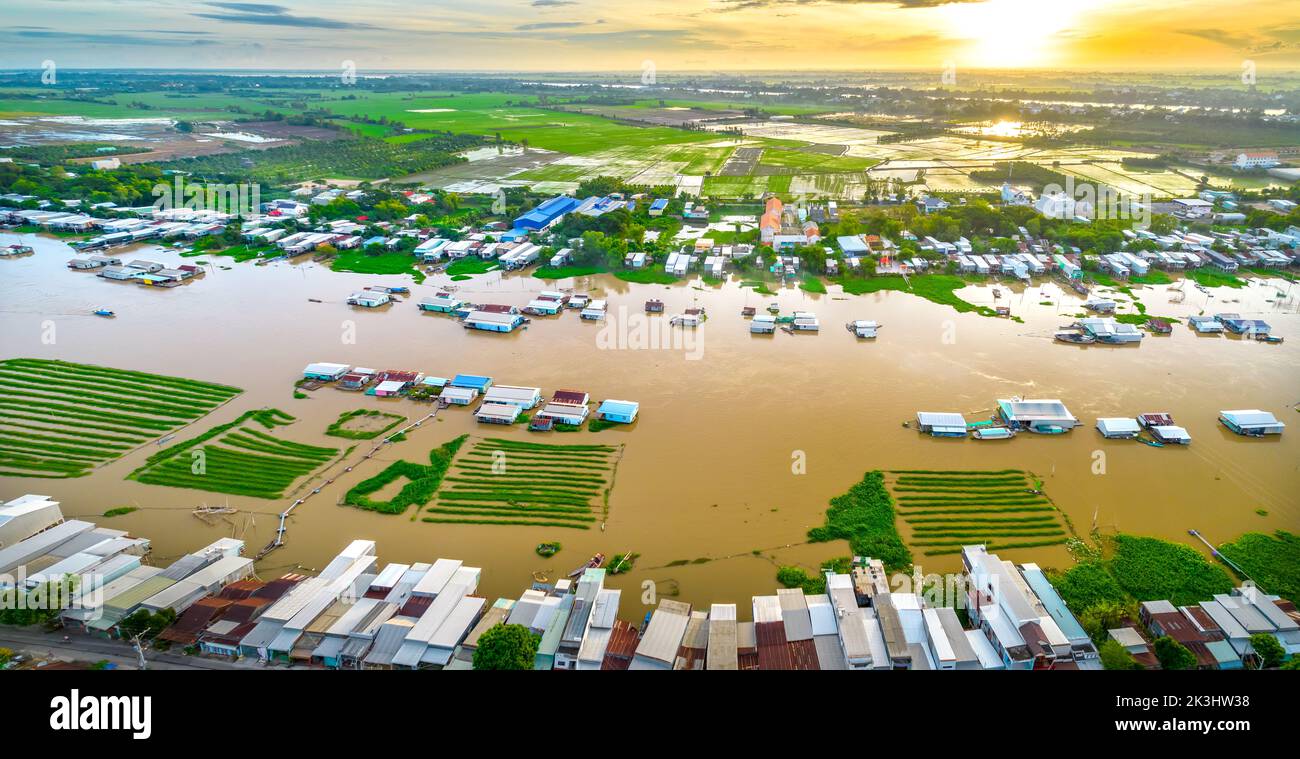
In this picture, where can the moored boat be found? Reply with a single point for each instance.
(993, 433)
(1075, 338)
(595, 562)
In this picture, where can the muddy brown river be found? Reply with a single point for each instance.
(741, 439)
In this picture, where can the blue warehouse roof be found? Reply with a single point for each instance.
(546, 212)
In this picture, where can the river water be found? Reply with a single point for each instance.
(741, 439)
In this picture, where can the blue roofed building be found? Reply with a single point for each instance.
(618, 411)
(1081, 644)
(472, 382)
(658, 207)
(547, 214)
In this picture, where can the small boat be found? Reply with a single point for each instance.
(399, 290)
(1076, 338)
(997, 293)
(1268, 338)
(993, 433)
(774, 308)
(594, 563)
(104, 312)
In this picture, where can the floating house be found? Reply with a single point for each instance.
(1240, 326)
(458, 396)
(1110, 331)
(564, 413)
(686, 320)
(763, 324)
(325, 372)
(497, 413)
(578, 301)
(1118, 427)
(941, 424)
(390, 388)
(369, 298)
(595, 311)
(863, 329)
(1047, 416)
(805, 321)
(543, 307)
(1170, 434)
(513, 395)
(1251, 422)
(1100, 305)
(490, 321)
(654, 307)
(618, 411)
(1205, 324)
(443, 303)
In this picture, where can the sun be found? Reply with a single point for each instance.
(1012, 33)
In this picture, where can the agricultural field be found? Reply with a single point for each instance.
(239, 458)
(499, 481)
(421, 481)
(363, 424)
(60, 419)
(945, 510)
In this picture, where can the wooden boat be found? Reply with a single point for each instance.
(1076, 338)
(104, 312)
(993, 433)
(594, 563)
(1268, 338)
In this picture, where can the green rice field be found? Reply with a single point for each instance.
(239, 458)
(499, 481)
(60, 419)
(945, 510)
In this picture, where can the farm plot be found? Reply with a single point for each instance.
(501, 481)
(60, 419)
(945, 510)
(364, 424)
(238, 458)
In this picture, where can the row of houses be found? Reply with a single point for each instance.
(1217, 631)
(1051, 416)
(500, 404)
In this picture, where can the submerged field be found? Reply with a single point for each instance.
(60, 419)
(499, 481)
(945, 510)
(240, 458)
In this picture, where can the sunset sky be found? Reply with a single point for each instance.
(683, 35)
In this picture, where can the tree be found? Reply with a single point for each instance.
(1174, 655)
(506, 647)
(1114, 656)
(1269, 650)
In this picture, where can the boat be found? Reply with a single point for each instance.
(997, 293)
(104, 312)
(774, 308)
(1268, 338)
(595, 562)
(1076, 338)
(993, 433)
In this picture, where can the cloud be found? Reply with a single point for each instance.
(33, 34)
(551, 3)
(263, 14)
(549, 25)
(740, 5)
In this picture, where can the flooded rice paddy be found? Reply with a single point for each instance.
(708, 489)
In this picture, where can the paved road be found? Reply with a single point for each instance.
(38, 644)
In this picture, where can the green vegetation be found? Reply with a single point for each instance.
(464, 267)
(60, 419)
(1114, 656)
(864, 516)
(1272, 561)
(121, 511)
(509, 647)
(502, 481)
(1270, 652)
(798, 577)
(946, 512)
(423, 481)
(548, 549)
(936, 288)
(1174, 655)
(646, 277)
(566, 272)
(340, 426)
(1127, 569)
(371, 262)
(236, 458)
(360, 158)
(812, 284)
(1215, 278)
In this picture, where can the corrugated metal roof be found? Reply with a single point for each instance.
(664, 633)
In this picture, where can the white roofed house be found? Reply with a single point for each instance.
(27, 515)
(941, 424)
(1048, 416)
(658, 646)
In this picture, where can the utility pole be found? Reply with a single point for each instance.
(138, 644)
